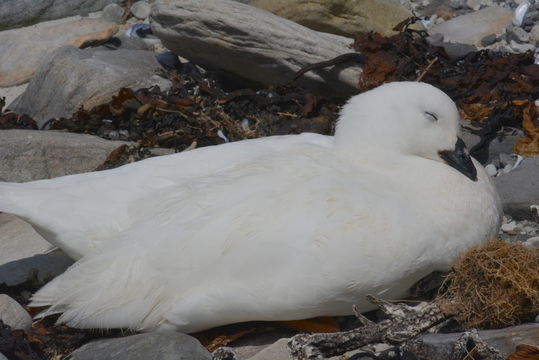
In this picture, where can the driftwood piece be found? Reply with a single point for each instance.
(253, 44)
(404, 323)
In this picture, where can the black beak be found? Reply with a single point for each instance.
(460, 159)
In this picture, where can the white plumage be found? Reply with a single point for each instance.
(279, 228)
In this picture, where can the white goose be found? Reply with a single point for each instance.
(280, 228)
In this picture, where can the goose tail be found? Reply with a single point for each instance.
(105, 292)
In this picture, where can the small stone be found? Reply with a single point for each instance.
(532, 243)
(13, 314)
(141, 10)
(510, 227)
(488, 40)
(474, 4)
(534, 34)
(518, 34)
(113, 12)
(521, 48)
(491, 170)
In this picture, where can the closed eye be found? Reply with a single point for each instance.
(431, 116)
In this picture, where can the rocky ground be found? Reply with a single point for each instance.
(115, 82)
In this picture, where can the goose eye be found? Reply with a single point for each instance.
(431, 116)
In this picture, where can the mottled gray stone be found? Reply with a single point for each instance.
(32, 155)
(488, 40)
(70, 78)
(18, 13)
(141, 9)
(113, 12)
(13, 314)
(518, 189)
(155, 346)
(252, 43)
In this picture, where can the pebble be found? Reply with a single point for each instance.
(13, 314)
(113, 12)
(521, 48)
(518, 34)
(491, 170)
(509, 227)
(488, 40)
(141, 10)
(534, 34)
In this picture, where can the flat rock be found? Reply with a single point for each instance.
(70, 78)
(34, 42)
(32, 155)
(440, 346)
(518, 188)
(155, 346)
(18, 13)
(342, 17)
(277, 350)
(19, 240)
(252, 43)
(37, 269)
(472, 27)
(13, 314)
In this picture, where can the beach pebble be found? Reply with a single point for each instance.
(13, 314)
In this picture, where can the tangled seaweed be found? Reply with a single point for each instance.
(493, 286)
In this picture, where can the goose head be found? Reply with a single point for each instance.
(404, 119)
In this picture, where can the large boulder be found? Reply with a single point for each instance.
(18, 13)
(252, 43)
(22, 49)
(32, 155)
(70, 78)
(342, 17)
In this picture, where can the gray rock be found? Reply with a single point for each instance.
(155, 346)
(472, 27)
(252, 43)
(521, 48)
(534, 34)
(37, 269)
(34, 42)
(13, 314)
(488, 40)
(517, 33)
(70, 78)
(518, 189)
(19, 240)
(113, 12)
(18, 13)
(141, 9)
(278, 350)
(440, 346)
(32, 155)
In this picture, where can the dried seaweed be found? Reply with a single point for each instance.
(493, 286)
(197, 111)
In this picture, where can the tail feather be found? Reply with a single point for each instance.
(105, 291)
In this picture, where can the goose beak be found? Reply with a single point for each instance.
(460, 159)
